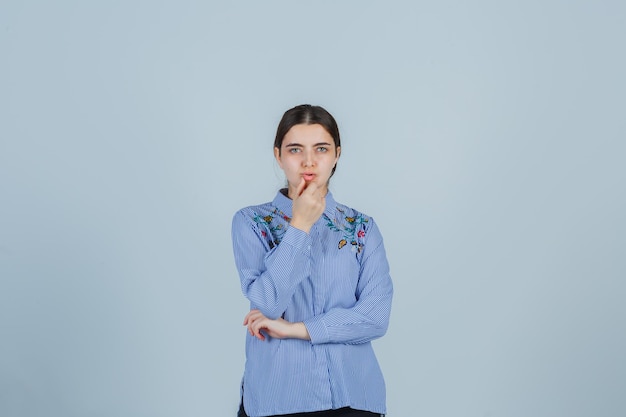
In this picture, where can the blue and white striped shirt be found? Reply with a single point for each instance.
(334, 279)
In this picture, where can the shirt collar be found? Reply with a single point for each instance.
(284, 204)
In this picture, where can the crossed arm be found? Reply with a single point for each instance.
(269, 280)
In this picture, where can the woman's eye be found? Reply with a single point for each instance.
(322, 149)
(294, 150)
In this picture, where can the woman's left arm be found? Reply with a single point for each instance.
(368, 319)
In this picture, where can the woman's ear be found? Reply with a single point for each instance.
(277, 157)
(338, 151)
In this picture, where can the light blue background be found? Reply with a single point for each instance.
(486, 138)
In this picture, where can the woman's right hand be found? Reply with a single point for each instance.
(260, 326)
(308, 205)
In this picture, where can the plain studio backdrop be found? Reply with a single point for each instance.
(486, 138)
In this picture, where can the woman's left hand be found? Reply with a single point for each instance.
(278, 328)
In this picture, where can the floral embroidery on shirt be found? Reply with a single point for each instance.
(275, 223)
(351, 227)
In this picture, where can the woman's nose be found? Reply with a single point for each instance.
(307, 160)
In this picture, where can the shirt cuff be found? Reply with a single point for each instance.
(298, 239)
(317, 330)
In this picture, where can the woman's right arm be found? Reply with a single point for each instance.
(269, 277)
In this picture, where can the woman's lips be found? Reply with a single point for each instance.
(308, 177)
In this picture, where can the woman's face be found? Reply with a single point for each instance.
(309, 152)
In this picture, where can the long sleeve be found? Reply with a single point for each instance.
(368, 319)
(269, 277)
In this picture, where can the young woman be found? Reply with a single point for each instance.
(317, 277)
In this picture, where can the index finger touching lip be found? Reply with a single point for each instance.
(311, 187)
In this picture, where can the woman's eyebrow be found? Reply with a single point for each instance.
(292, 145)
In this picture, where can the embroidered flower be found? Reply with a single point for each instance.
(272, 224)
(351, 227)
